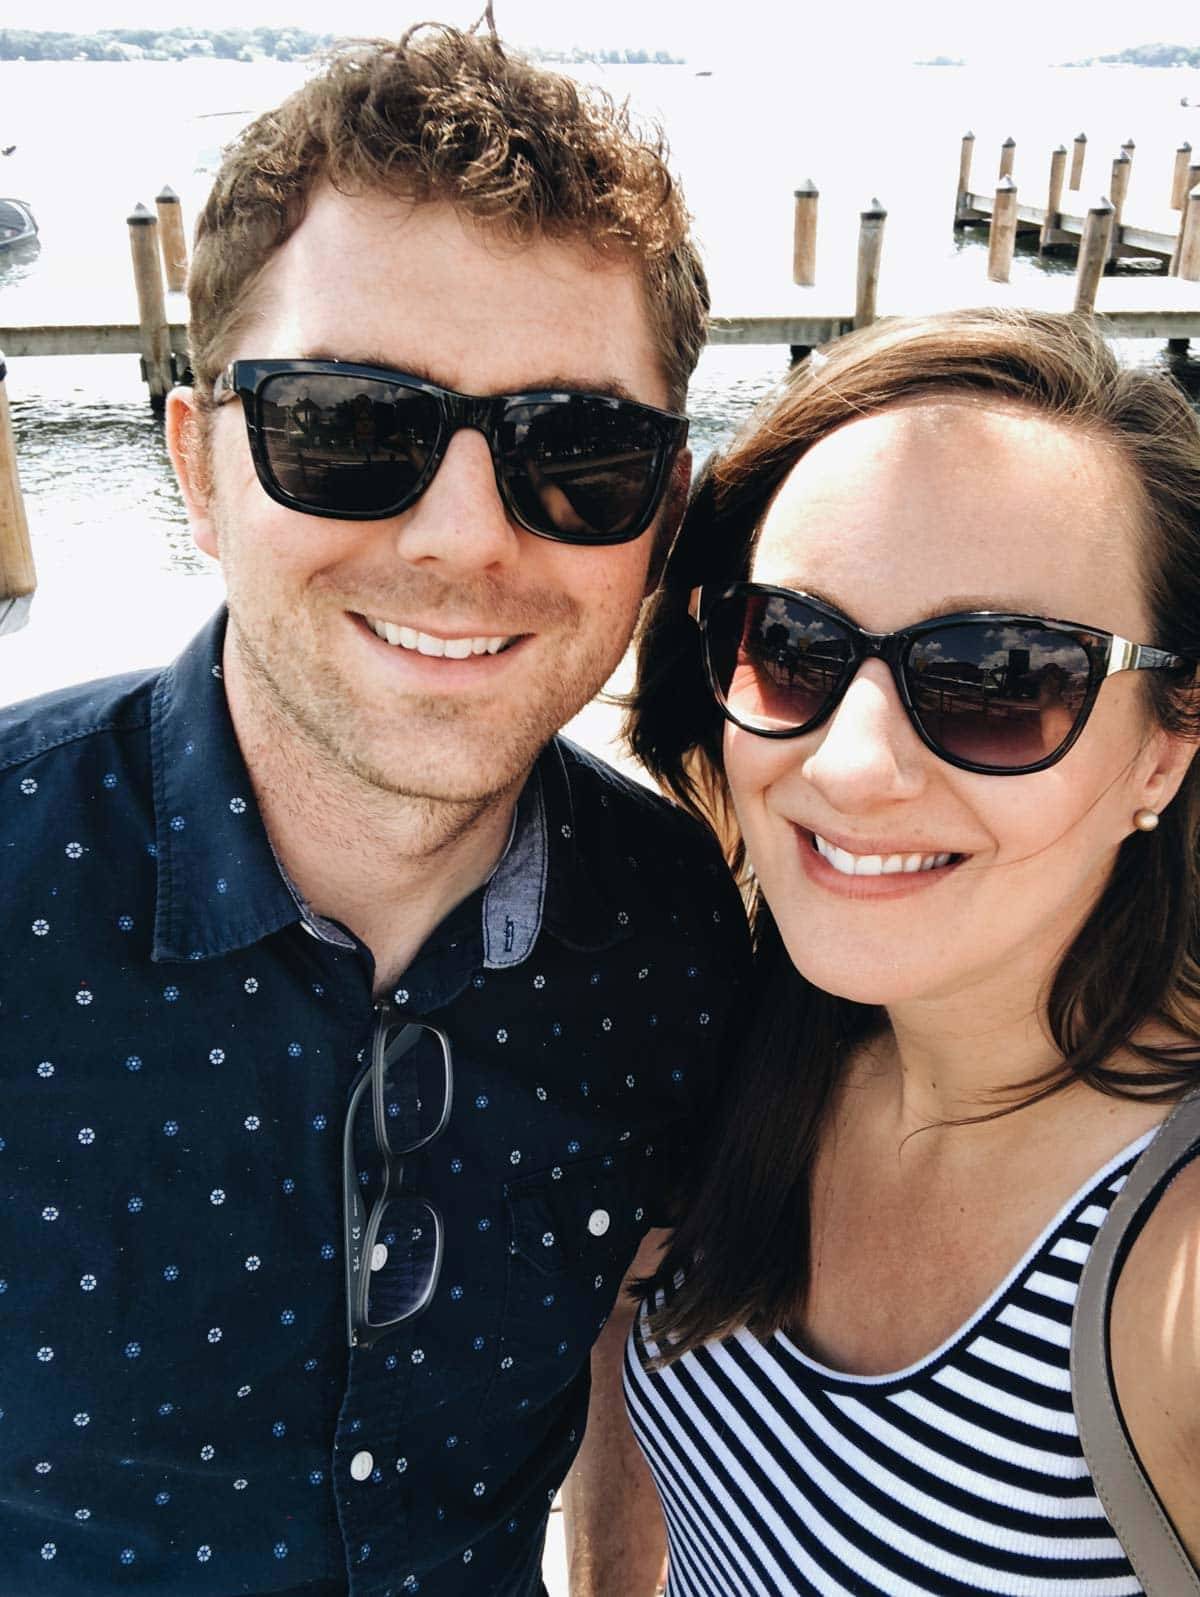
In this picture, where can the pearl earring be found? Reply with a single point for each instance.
(1145, 820)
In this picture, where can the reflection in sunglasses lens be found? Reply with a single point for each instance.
(343, 443)
(581, 466)
(346, 443)
(776, 661)
(998, 695)
(1001, 696)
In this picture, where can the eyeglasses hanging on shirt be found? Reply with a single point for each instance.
(394, 1253)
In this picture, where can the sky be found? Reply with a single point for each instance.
(1031, 30)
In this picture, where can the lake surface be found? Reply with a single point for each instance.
(121, 585)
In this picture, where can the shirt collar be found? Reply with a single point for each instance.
(544, 877)
(578, 910)
(221, 888)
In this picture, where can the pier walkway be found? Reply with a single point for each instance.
(1126, 306)
(1162, 308)
(1129, 238)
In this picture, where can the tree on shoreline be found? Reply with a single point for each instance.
(1146, 55)
(234, 44)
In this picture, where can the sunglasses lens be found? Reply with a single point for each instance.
(345, 444)
(776, 661)
(582, 468)
(999, 696)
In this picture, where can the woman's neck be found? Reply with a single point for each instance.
(952, 1065)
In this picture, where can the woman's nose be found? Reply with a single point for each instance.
(867, 754)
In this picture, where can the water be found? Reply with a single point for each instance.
(121, 585)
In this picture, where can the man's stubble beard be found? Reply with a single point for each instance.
(489, 748)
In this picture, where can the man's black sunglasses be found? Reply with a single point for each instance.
(985, 690)
(361, 443)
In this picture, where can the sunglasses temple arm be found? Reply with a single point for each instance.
(1126, 656)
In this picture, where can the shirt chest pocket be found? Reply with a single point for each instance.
(573, 1232)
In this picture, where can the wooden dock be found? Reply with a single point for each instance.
(1102, 232)
(84, 338)
(804, 313)
(1161, 308)
(1129, 239)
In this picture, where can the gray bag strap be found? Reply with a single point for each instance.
(1158, 1558)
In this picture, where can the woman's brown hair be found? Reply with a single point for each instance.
(741, 1253)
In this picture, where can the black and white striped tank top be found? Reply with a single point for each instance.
(962, 1474)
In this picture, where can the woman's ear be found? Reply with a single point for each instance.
(1167, 758)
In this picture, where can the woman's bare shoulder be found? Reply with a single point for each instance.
(1156, 1350)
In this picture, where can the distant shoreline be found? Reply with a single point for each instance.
(1144, 55)
(249, 45)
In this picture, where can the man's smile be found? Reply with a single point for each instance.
(459, 647)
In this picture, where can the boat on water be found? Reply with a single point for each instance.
(16, 223)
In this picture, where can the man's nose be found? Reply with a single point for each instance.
(869, 753)
(460, 520)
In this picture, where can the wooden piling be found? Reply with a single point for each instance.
(1093, 253)
(1058, 172)
(157, 366)
(1008, 152)
(172, 239)
(1179, 177)
(1003, 234)
(1121, 168)
(1077, 155)
(1190, 179)
(804, 235)
(964, 177)
(17, 575)
(870, 251)
(1189, 252)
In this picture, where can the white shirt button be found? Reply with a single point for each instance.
(598, 1222)
(361, 1465)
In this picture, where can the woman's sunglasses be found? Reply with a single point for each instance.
(986, 691)
(361, 443)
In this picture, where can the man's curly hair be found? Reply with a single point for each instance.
(442, 115)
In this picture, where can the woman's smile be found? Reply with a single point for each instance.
(873, 875)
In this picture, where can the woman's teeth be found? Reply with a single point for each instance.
(426, 643)
(876, 864)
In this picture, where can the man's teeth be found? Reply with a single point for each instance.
(876, 864)
(426, 643)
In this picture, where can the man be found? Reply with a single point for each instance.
(351, 1024)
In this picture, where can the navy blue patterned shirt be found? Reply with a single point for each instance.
(180, 1037)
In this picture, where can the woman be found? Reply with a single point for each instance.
(977, 913)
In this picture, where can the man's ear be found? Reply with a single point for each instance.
(669, 518)
(188, 447)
